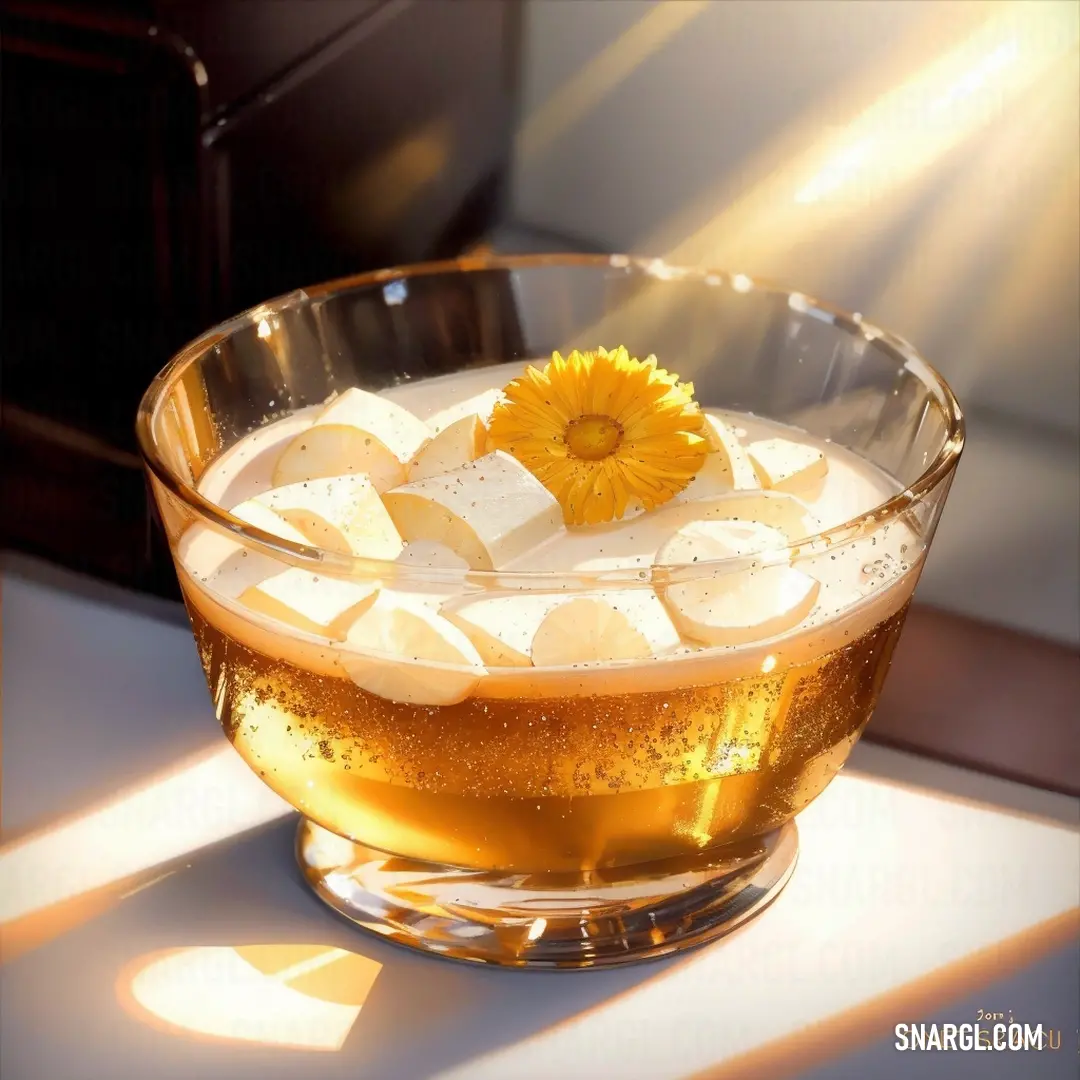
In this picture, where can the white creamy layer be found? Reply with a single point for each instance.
(860, 584)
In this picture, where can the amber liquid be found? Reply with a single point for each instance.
(555, 784)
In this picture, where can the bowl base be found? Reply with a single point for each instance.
(548, 921)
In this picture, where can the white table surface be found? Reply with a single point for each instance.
(923, 893)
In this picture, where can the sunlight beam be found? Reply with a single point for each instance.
(582, 93)
(893, 141)
(205, 800)
(303, 997)
(996, 239)
(855, 177)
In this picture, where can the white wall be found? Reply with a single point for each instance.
(689, 129)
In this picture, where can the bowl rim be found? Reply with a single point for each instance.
(326, 561)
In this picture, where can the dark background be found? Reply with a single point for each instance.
(168, 164)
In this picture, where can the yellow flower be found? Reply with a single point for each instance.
(599, 429)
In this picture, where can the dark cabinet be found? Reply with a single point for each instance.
(168, 164)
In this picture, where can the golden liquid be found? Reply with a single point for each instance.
(548, 784)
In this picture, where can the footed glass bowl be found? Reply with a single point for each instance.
(536, 812)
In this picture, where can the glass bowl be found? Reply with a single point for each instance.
(564, 816)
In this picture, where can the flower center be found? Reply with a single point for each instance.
(593, 437)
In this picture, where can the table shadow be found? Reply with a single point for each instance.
(70, 1000)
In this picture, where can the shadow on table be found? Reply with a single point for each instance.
(159, 976)
(125, 966)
